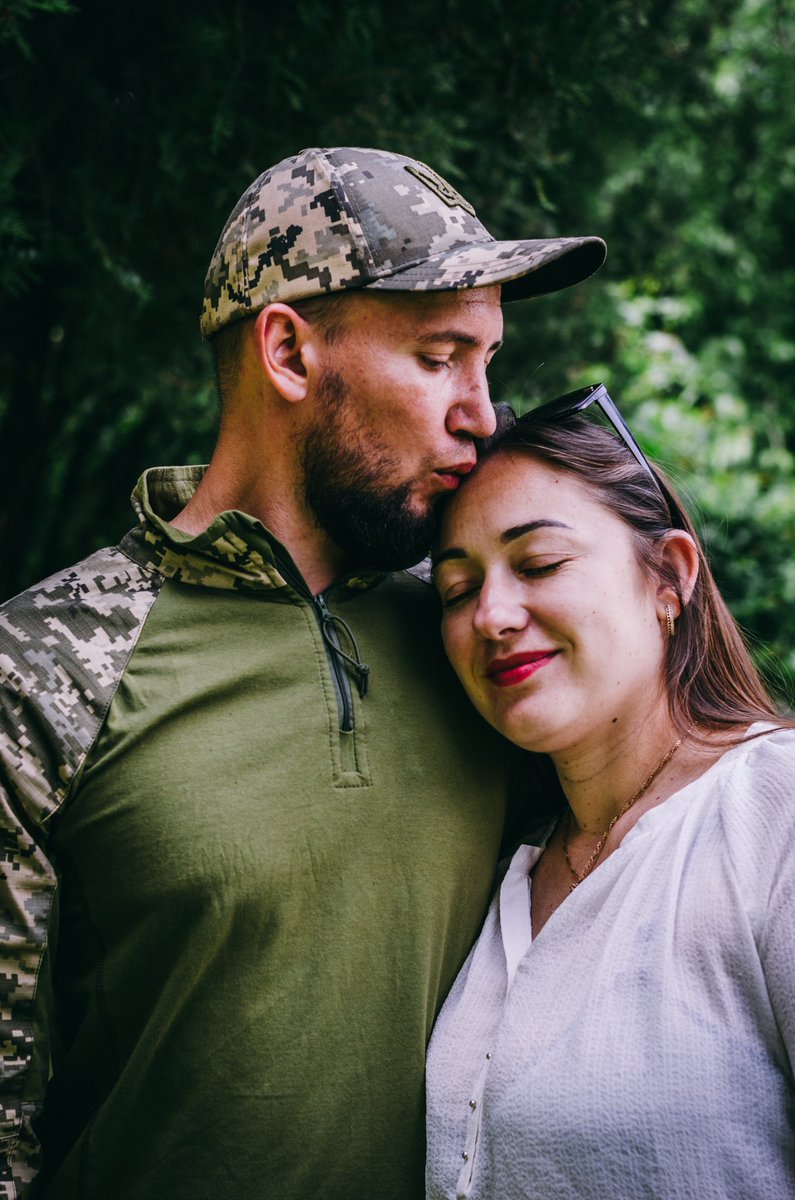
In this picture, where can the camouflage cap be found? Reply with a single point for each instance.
(329, 220)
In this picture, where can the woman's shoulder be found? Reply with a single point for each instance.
(753, 788)
(762, 761)
(766, 755)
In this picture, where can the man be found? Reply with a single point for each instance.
(250, 825)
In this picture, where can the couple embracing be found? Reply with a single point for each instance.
(252, 820)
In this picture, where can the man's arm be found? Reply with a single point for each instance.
(64, 646)
(27, 888)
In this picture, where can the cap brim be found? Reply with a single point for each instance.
(529, 268)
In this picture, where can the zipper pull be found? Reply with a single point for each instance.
(363, 677)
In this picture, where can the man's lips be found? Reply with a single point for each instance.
(451, 476)
(505, 672)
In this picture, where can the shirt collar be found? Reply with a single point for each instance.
(235, 551)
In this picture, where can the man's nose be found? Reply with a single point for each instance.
(473, 413)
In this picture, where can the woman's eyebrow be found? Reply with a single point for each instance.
(453, 552)
(510, 535)
(517, 531)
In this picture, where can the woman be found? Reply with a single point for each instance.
(625, 1025)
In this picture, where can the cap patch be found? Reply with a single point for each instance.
(440, 187)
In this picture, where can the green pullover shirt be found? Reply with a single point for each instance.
(235, 888)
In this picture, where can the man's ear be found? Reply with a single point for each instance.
(678, 571)
(286, 350)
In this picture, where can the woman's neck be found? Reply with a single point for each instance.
(601, 777)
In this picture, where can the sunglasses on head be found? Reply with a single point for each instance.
(582, 398)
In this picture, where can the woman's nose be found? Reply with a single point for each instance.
(498, 611)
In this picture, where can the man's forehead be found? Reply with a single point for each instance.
(459, 299)
(421, 310)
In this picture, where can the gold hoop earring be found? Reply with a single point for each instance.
(669, 621)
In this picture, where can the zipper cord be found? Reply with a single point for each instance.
(360, 669)
(329, 624)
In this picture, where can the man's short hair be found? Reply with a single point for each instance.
(326, 313)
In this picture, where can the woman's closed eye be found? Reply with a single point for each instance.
(457, 593)
(536, 570)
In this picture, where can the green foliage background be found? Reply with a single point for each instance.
(129, 130)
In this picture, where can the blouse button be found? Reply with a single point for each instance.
(473, 1104)
(465, 1156)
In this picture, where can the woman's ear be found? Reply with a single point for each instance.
(678, 571)
(285, 349)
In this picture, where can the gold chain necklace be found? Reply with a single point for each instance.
(600, 845)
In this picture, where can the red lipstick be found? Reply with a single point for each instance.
(506, 672)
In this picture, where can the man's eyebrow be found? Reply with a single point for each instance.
(510, 535)
(454, 335)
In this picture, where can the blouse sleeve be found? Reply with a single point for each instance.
(777, 931)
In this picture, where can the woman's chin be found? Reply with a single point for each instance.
(527, 726)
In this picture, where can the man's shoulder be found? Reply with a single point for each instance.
(107, 584)
(421, 571)
(64, 646)
(408, 595)
(77, 620)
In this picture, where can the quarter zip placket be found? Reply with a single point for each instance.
(342, 683)
(336, 656)
(336, 634)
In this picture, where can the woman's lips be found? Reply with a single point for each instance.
(506, 672)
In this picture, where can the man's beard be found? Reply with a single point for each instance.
(344, 488)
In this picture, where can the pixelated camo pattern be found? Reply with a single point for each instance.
(329, 220)
(307, 227)
(237, 567)
(63, 648)
(240, 567)
(223, 558)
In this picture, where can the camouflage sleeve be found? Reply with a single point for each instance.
(64, 646)
(28, 886)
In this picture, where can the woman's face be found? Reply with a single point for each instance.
(548, 619)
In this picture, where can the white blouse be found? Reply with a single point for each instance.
(642, 1045)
